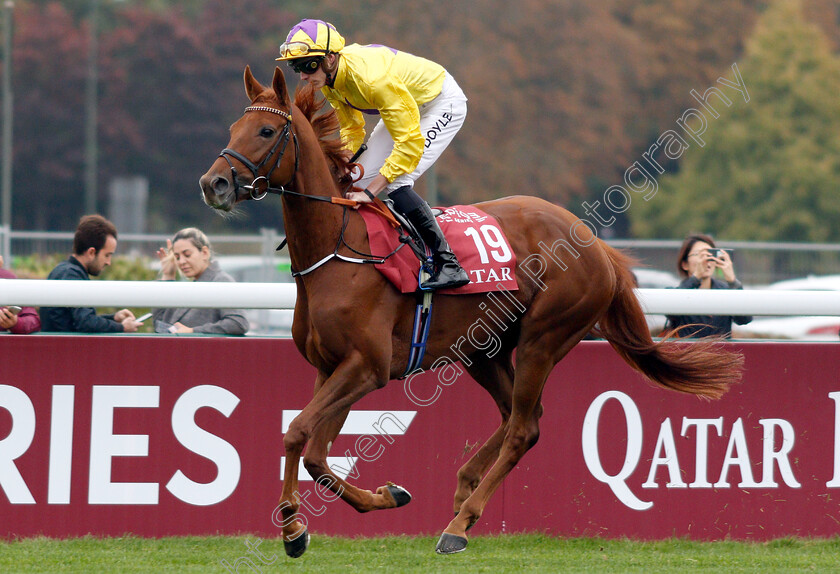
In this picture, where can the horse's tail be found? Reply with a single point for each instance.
(701, 367)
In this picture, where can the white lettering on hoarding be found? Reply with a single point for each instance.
(835, 480)
(205, 444)
(737, 442)
(665, 444)
(634, 447)
(778, 441)
(16, 443)
(702, 447)
(665, 452)
(104, 445)
(779, 456)
(368, 445)
(61, 444)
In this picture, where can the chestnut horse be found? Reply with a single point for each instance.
(355, 328)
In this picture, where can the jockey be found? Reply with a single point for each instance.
(420, 109)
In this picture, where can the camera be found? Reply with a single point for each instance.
(717, 252)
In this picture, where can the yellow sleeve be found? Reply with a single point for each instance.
(401, 117)
(352, 123)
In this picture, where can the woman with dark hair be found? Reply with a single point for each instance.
(698, 260)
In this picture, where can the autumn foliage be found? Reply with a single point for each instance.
(563, 96)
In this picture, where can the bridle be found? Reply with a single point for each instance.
(260, 186)
(257, 194)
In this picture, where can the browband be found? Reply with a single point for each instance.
(267, 109)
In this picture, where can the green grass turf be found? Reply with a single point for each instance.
(497, 554)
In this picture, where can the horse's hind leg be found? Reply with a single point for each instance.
(496, 376)
(535, 358)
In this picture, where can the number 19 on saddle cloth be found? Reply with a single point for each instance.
(474, 236)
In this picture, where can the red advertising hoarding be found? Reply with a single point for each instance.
(161, 436)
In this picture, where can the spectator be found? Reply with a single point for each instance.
(22, 323)
(93, 245)
(697, 264)
(190, 251)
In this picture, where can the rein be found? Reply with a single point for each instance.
(258, 192)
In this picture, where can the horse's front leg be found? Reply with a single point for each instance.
(295, 534)
(315, 461)
(496, 376)
(321, 419)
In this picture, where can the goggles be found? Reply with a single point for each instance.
(298, 50)
(306, 65)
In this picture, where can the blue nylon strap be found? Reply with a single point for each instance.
(419, 332)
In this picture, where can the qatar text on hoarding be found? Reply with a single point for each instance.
(777, 442)
(768, 466)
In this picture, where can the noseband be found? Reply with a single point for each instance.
(260, 186)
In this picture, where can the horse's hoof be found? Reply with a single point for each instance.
(450, 544)
(401, 495)
(296, 547)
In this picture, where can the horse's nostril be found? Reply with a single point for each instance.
(220, 185)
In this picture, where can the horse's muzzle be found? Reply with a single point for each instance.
(218, 191)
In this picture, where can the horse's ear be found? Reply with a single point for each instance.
(279, 84)
(252, 87)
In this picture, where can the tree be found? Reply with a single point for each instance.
(49, 79)
(770, 168)
(167, 105)
(563, 95)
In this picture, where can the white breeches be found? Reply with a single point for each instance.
(440, 120)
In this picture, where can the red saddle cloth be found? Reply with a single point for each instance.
(474, 236)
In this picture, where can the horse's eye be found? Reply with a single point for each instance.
(266, 132)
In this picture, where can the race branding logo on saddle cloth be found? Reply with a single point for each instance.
(474, 236)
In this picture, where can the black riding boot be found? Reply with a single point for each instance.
(448, 272)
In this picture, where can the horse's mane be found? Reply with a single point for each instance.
(325, 124)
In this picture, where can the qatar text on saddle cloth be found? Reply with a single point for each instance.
(474, 236)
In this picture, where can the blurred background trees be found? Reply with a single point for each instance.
(770, 167)
(564, 97)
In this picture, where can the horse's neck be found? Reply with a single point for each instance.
(312, 227)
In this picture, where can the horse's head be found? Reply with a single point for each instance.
(263, 152)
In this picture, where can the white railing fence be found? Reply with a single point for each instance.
(39, 292)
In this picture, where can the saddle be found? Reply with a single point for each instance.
(408, 234)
